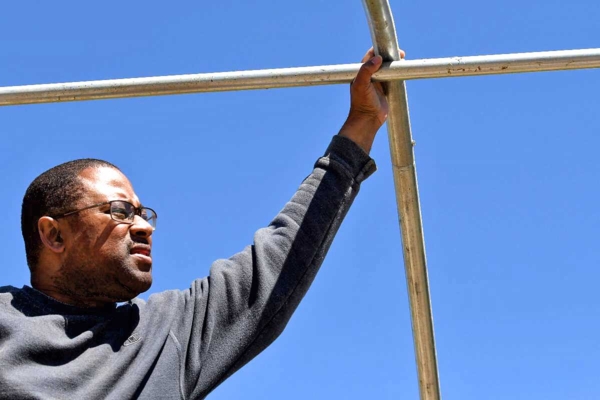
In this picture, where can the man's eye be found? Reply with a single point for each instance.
(119, 213)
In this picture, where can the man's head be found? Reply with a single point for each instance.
(94, 255)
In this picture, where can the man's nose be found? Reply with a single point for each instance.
(141, 227)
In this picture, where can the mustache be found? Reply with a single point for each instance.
(136, 240)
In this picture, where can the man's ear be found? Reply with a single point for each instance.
(50, 234)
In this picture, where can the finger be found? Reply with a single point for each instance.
(370, 54)
(367, 70)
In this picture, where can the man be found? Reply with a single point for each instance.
(88, 240)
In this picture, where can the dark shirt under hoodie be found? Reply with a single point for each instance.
(181, 344)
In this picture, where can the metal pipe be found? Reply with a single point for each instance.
(383, 34)
(303, 76)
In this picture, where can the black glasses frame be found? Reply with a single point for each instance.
(136, 211)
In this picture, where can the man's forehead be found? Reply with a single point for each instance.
(105, 183)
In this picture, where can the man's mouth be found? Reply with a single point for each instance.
(142, 252)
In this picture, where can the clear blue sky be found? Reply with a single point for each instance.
(507, 165)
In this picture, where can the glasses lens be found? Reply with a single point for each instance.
(121, 211)
(149, 215)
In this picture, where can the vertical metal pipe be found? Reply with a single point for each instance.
(385, 42)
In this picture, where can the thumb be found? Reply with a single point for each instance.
(367, 70)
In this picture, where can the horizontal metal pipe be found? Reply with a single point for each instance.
(303, 76)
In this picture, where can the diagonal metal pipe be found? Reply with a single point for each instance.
(385, 42)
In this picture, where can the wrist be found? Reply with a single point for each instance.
(361, 130)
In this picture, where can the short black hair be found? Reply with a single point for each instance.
(52, 193)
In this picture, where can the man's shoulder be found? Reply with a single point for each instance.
(172, 302)
(9, 289)
(166, 299)
(9, 295)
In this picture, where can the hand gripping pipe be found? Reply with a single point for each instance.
(385, 43)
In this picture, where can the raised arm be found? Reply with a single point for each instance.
(248, 299)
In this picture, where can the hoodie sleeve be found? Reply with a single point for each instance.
(247, 300)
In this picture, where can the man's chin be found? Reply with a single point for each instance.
(141, 286)
(142, 262)
(134, 283)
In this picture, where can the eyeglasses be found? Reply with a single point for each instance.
(121, 211)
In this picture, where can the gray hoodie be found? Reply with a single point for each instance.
(181, 344)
